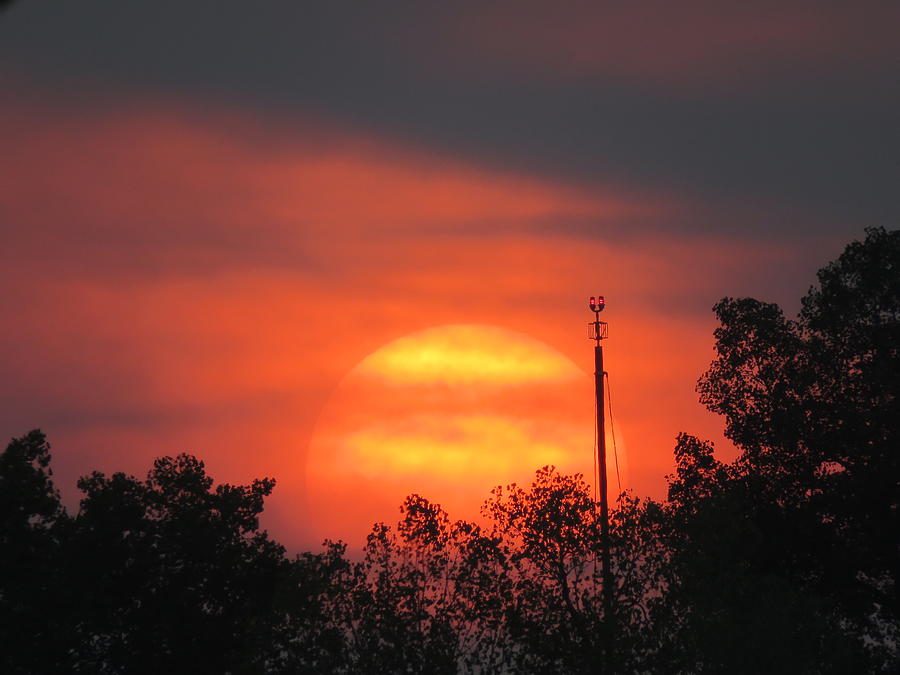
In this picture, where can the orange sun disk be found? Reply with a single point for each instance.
(448, 412)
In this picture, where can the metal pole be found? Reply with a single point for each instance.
(604, 500)
(597, 332)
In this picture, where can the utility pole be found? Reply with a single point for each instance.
(597, 331)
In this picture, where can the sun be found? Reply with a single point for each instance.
(448, 412)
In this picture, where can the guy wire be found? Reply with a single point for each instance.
(612, 429)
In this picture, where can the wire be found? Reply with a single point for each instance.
(612, 428)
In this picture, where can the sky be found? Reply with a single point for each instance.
(213, 212)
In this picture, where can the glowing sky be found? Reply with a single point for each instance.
(209, 217)
(449, 412)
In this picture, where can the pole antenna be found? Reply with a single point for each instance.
(597, 331)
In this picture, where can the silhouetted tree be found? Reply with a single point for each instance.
(738, 600)
(796, 545)
(34, 631)
(179, 575)
(429, 596)
(311, 636)
(155, 575)
(521, 593)
(550, 538)
(405, 599)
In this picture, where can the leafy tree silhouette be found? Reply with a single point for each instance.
(181, 577)
(520, 593)
(165, 574)
(796, 545)
(33, 630)
(313, 601)
(549, 537)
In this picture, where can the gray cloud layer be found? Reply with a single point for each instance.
(791, 127)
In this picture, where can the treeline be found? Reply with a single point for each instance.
(786, 560)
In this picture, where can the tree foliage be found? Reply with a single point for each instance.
(31, 522)
(813, 406)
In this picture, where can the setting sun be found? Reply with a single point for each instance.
(448, 412)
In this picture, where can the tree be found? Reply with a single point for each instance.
(405, 600)
(429, 596)
(807, 516)
(550, 535)
(172, 574)
(519, 593)
(312, 602)
(743, 594)
(33, 635)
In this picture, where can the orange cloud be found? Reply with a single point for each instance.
(196, 282)
(465, 354)
(158, 176)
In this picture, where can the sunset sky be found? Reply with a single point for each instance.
(227, 226)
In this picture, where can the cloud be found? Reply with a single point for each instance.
(467, 354)
(661, 44)
(789, 106)
(181, 280)
(151, 187)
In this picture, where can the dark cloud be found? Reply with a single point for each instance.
(791, 105)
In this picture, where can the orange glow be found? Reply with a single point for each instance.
(202, 288)
(466, 354)
(448, 412)
(454, 446)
